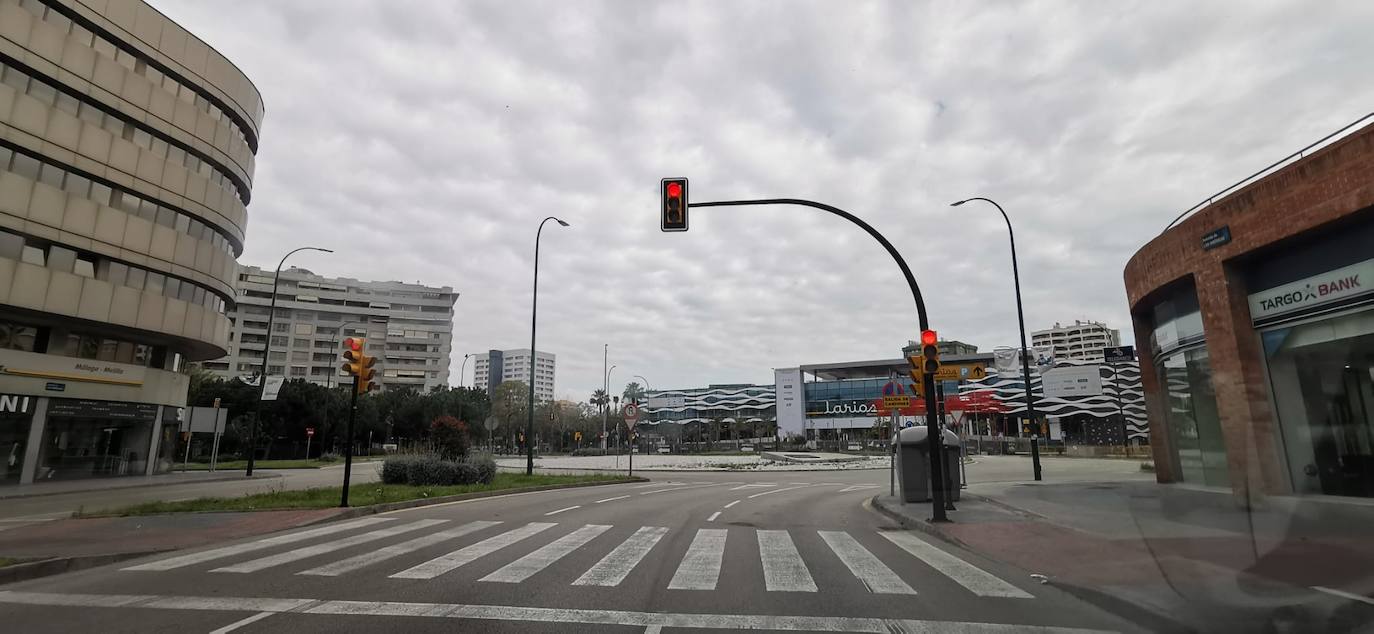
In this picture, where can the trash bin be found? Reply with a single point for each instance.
(913, 464)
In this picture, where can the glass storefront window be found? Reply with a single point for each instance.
(1193, 422)
(1322, 376)
(14, 434)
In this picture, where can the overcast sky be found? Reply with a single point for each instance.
(426, 140)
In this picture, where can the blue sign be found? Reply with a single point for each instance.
(56, 387)
(1216, 238)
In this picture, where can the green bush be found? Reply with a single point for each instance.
(486, 468)
(431, 470)
(329, 457)
(588, 451)
(396, 469)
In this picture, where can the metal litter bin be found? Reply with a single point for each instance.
(913, 464)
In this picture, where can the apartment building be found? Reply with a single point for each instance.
(494, 367)
(409, 328)
(1079, 341)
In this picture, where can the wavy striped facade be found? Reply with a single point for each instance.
(747, 403)
(1010, 392)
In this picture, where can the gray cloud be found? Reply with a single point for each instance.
(438, 134)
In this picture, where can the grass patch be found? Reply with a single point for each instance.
(358, 495)
(229, 465)
(7, 561)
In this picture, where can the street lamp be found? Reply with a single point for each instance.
(267, 352)
(462, 371)
(1021, 321)
(605, 405)
(534, 359)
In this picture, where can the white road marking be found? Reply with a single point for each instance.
(327, 547)
(859, 487)
(700, 567)
(713, 516)
(1344, 595)
(754, 486)
(783, 568)
(977, 580)
(653, 629)
(875, 576)
(242, 622)
(661, 484)
(614, 567)
(620, 497)
(624, 618)
(778, 491)
(733, 503)
(561, 510)
(376, 556)
(524, 567)
(446, 563)
(686, 488)
(261, 544)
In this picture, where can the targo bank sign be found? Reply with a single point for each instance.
(1332, 286)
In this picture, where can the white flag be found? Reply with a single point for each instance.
(274, 383)
(1043, 359)
(1005, 360)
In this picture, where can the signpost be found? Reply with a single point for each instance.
(309, 434)
(631, 413)
(219, 432)
(1113, 356)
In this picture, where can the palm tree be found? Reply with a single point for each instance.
(634, 392)
(599, 398)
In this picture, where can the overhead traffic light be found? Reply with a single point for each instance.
(930, 352)
(674, 192)
(358, 364)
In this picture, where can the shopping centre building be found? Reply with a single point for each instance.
(1258, 310)
(126, 163)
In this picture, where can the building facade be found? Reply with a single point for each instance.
(1079, 341)
(494, 367)
(1256, 315)
(408, 327)
(126, 164)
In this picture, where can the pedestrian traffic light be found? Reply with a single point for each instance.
(930, 352)
(674, 204)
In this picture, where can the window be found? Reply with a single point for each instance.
(85, 266)
(35, 255)
(15, 336)
(298, 370)
(305, 329)
(277, 355)
(278, 341)
(281, 327)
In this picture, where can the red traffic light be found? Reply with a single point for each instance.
(674, 190)
(674, 204)
(929, 338)
(354, 343)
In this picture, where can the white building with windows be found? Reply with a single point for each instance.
(409, 328)
(494, 367)
(1079, 341)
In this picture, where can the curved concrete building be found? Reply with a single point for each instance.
(126, 164)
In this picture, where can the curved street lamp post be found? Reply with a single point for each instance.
(534, 358)
(1021, 322)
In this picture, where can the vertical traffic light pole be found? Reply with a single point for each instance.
(348, 442)
(933, 427)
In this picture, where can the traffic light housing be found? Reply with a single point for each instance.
(915, 370)
(674, 204)
(930, 352)
(358, 364)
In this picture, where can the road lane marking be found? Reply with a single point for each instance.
(1344, 595)
(367, 559)
(447, 563)
(733, 503)
(620, 497)
(876, 576)
(661, 484)
(700, 567)
(977, 580)
(686, 488)
(756, 495)
(859, 487)
(524, 567)
(261, 544)
(713, 516)
(327, 547)
(600, 618)
(753, 486)
(242, 622)
(783, 568)
(614, 567)
(561, 510)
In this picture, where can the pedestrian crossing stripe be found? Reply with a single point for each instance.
(784, 568)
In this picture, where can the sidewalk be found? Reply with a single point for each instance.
(1170, 557)
(103, 484)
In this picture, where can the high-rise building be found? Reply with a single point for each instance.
(409, 328)
(1079, 341)
(126, 162)
(494, 367)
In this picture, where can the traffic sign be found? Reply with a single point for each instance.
(956, 372)
(630, 412)
(1119, 354)
(896, 402)
(309, 431)
(491, 423)
(577, 435)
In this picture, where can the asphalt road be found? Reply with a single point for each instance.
(793, 551)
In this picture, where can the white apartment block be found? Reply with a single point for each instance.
(1080, 341)
(497, 366)
(409, 328)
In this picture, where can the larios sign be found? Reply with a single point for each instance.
(846, 409)
(1342, 283)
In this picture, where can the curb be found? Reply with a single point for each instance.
(58, 565)
(1126, 609)
(141, 485)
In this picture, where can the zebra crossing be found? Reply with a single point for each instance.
(784, 568)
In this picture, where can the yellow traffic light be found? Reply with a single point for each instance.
(930, 352)
(915, 370)
(366, 374)
(358, 364)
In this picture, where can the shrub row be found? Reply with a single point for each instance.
(432, 470)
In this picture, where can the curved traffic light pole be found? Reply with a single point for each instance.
(934, 431)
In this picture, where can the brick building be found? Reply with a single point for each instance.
(1254, 317)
